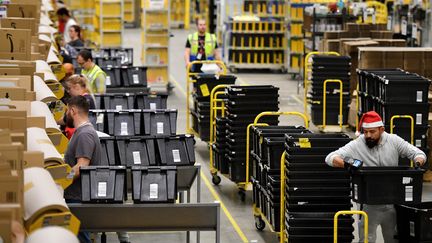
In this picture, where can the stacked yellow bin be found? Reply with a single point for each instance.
(178, 13)
(155, 39)
(129, 11)
(295, 32)
(108, 23)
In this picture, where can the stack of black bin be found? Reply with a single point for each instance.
(267, 146)
(392, 92)
(244, 103)
(220, 146)
(314, 191)
(203, 86)
(325, 68)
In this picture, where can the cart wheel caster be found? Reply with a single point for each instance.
(242, 195)
(259, 223)
(216, 180)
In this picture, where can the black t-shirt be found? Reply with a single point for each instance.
(201, 47)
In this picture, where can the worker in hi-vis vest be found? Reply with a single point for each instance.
(93, 72)
(201, 46)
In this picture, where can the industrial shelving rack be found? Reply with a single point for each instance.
(83, 12)
(178, 11)
(155, 25)
(129, 12)
(108, 23)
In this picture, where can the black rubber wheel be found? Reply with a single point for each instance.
(216, 180)
(259, 224)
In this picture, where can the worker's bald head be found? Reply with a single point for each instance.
(69, 69)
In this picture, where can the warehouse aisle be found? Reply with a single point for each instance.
(237, 221)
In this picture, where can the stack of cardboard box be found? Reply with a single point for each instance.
(26, 36)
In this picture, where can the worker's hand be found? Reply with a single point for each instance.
(187, 65)
(420, 161)
(338, 162)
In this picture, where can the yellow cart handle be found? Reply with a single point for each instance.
(335, 224)
(213, 96)
(247, 148)
(412, 128)
(325, 101)
(307, 69)
(282, 199)
(217, 62)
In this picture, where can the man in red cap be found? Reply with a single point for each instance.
(375, 147)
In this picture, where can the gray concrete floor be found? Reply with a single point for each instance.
(226, 192)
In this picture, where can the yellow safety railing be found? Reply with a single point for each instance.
(411, 127)
(282, 199)
(307, 69)
(189, 81)
(335, 224)
(325, 102)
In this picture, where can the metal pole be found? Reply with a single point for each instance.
(187, 15)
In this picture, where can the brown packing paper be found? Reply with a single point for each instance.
(19, 23)
(38, 140)
(33, 159)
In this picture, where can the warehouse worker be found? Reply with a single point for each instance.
(93, 72)
(375, 147)
(64, 16)
(84, 149)
(201, 46)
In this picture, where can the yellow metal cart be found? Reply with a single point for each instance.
(260, 219)
(190, 81)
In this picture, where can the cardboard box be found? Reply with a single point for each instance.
(22, 10)
(414, 62)
(13, 154)
(33, 159)
(17, 44)
(391, 42)
(332, 35)
(381, 34)
(18, 81)
(351, 47)
(371, 57)
(393, 59)
(25, 67)
(13, 93)
(343, 40)
(20, 23)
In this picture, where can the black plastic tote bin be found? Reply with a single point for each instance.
(137, 151)
(150, 101)
(160, 122)
(124, 123)
(176, 150)
(113, 77)
(103, 184)
(134, 76)
(154, 184)
(414, 222)
(108, 153)
(387, 185)
(98, 119)
(205, 83)
(118, 101)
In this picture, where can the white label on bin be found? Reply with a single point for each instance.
(412, 228)
(414, 31)
(108, 80)
(404, 27)
(418, 143)
(406, 180)
(153, 191)
(355, 191)
(389, 23)
(135, 78)
(100, 118)
(136, 157)
(119, 107)
(302, 203)
(409, 190)
(159, 128)
(152, 106)
(419, 119)
(124, 128)
(419, 96)
(176, 156)
(102, 189)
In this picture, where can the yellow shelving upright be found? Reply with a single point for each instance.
(178, 11)
(83, 12)
(155, 26)
(108, 23)
(129, 12)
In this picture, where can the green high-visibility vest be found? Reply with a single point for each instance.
(209, 45)
(92, 75)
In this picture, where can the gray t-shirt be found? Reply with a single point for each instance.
(83, 144)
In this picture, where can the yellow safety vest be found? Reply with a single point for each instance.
(209, 45)
(92, 75)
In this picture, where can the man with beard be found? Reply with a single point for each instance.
(83, 149)
(375, 147)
